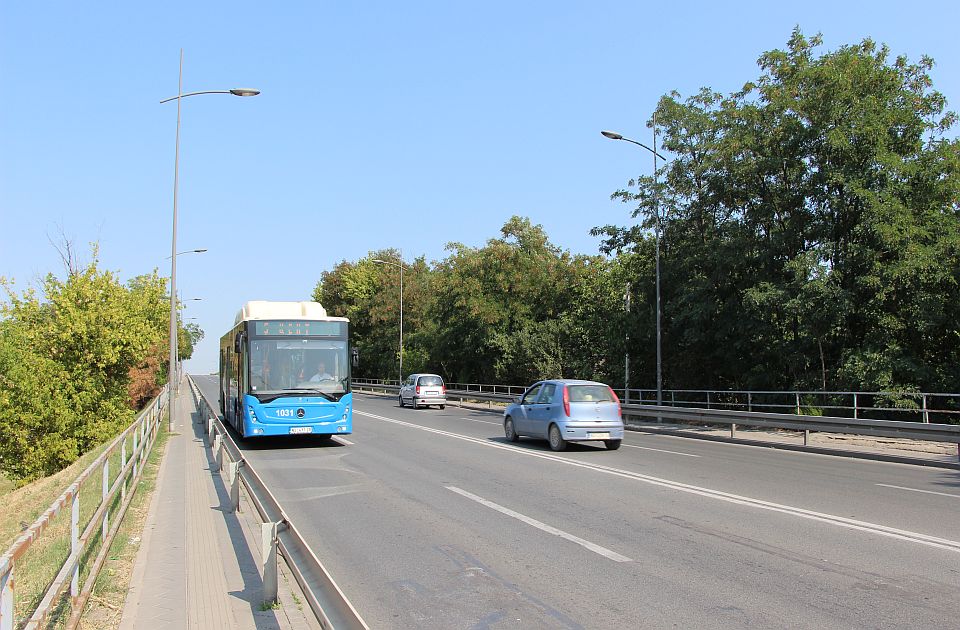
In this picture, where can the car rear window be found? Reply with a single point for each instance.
(589, 393)
(430, 380)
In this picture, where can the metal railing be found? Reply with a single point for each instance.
(278, 534)
(916, 406)
(919, 406)
(797, 422)
(821, 424)
(98, 534)
(390, 387)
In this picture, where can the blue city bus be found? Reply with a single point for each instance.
(285, 370)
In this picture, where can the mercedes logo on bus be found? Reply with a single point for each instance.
(300, 412)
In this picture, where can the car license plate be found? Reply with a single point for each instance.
(301, 429)
(599, 436)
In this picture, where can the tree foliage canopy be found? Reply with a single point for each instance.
(810, 226)
(76, 361)
(810, 240)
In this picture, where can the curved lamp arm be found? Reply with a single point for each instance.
(235, 92)
(387, 262)
(616, 136)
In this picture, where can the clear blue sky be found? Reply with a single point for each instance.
(381, 124)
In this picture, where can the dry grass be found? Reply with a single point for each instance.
(22, 506)
(42, 561)
(6, 485)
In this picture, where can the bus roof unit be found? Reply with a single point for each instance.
(262, 309)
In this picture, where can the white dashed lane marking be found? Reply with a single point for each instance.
(586, 544)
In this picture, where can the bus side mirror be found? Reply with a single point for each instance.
(356, 358)
(238, 342)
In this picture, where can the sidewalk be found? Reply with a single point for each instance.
(196, 566)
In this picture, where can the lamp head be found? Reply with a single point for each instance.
(244, 92)
(613, 135)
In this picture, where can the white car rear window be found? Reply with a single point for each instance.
(590, 393)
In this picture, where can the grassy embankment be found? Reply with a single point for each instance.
(105, 607)
(38, 567)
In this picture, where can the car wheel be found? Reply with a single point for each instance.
(443, 406)
(400, 398)
(557, 443)
(612, 445)
(509, 431)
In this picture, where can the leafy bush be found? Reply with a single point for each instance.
(67, 362)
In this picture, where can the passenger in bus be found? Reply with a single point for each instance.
(321, 374)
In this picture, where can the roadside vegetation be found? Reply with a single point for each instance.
(104, 609)
(810, 241)
(78, 357)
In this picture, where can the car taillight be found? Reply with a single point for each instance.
(418, 389)
(616, 398)
(443, 390)
(566, 401)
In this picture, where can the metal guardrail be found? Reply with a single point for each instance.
(797, 422)
(460, 396)
(98, 530)
(821, 424)
(277, 532)
(924, 406)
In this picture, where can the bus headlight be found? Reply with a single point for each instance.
(253, 414)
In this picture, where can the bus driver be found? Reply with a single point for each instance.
(321, 374)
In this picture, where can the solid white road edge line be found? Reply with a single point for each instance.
(942, 494)
(479, 420)
(595, 548)
(659, 450)
(840, 521)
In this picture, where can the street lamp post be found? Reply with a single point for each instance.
(402, 267)
(626, 349)
(182, 319)
(173, 246)
(656, 209)
(174, 373)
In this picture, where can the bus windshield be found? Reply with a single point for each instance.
(302, 364)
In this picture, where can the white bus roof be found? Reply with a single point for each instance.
(263, 309)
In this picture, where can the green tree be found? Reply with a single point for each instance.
(66, 361)
(811, 226)
(368, 293)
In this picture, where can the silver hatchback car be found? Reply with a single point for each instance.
(562, 411)
(423, 390)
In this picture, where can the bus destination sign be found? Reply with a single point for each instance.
(300, 328)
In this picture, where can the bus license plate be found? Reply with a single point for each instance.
(301, 429)
(599, 436)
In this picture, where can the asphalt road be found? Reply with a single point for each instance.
(430, 519)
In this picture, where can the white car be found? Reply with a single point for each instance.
(423, 390)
